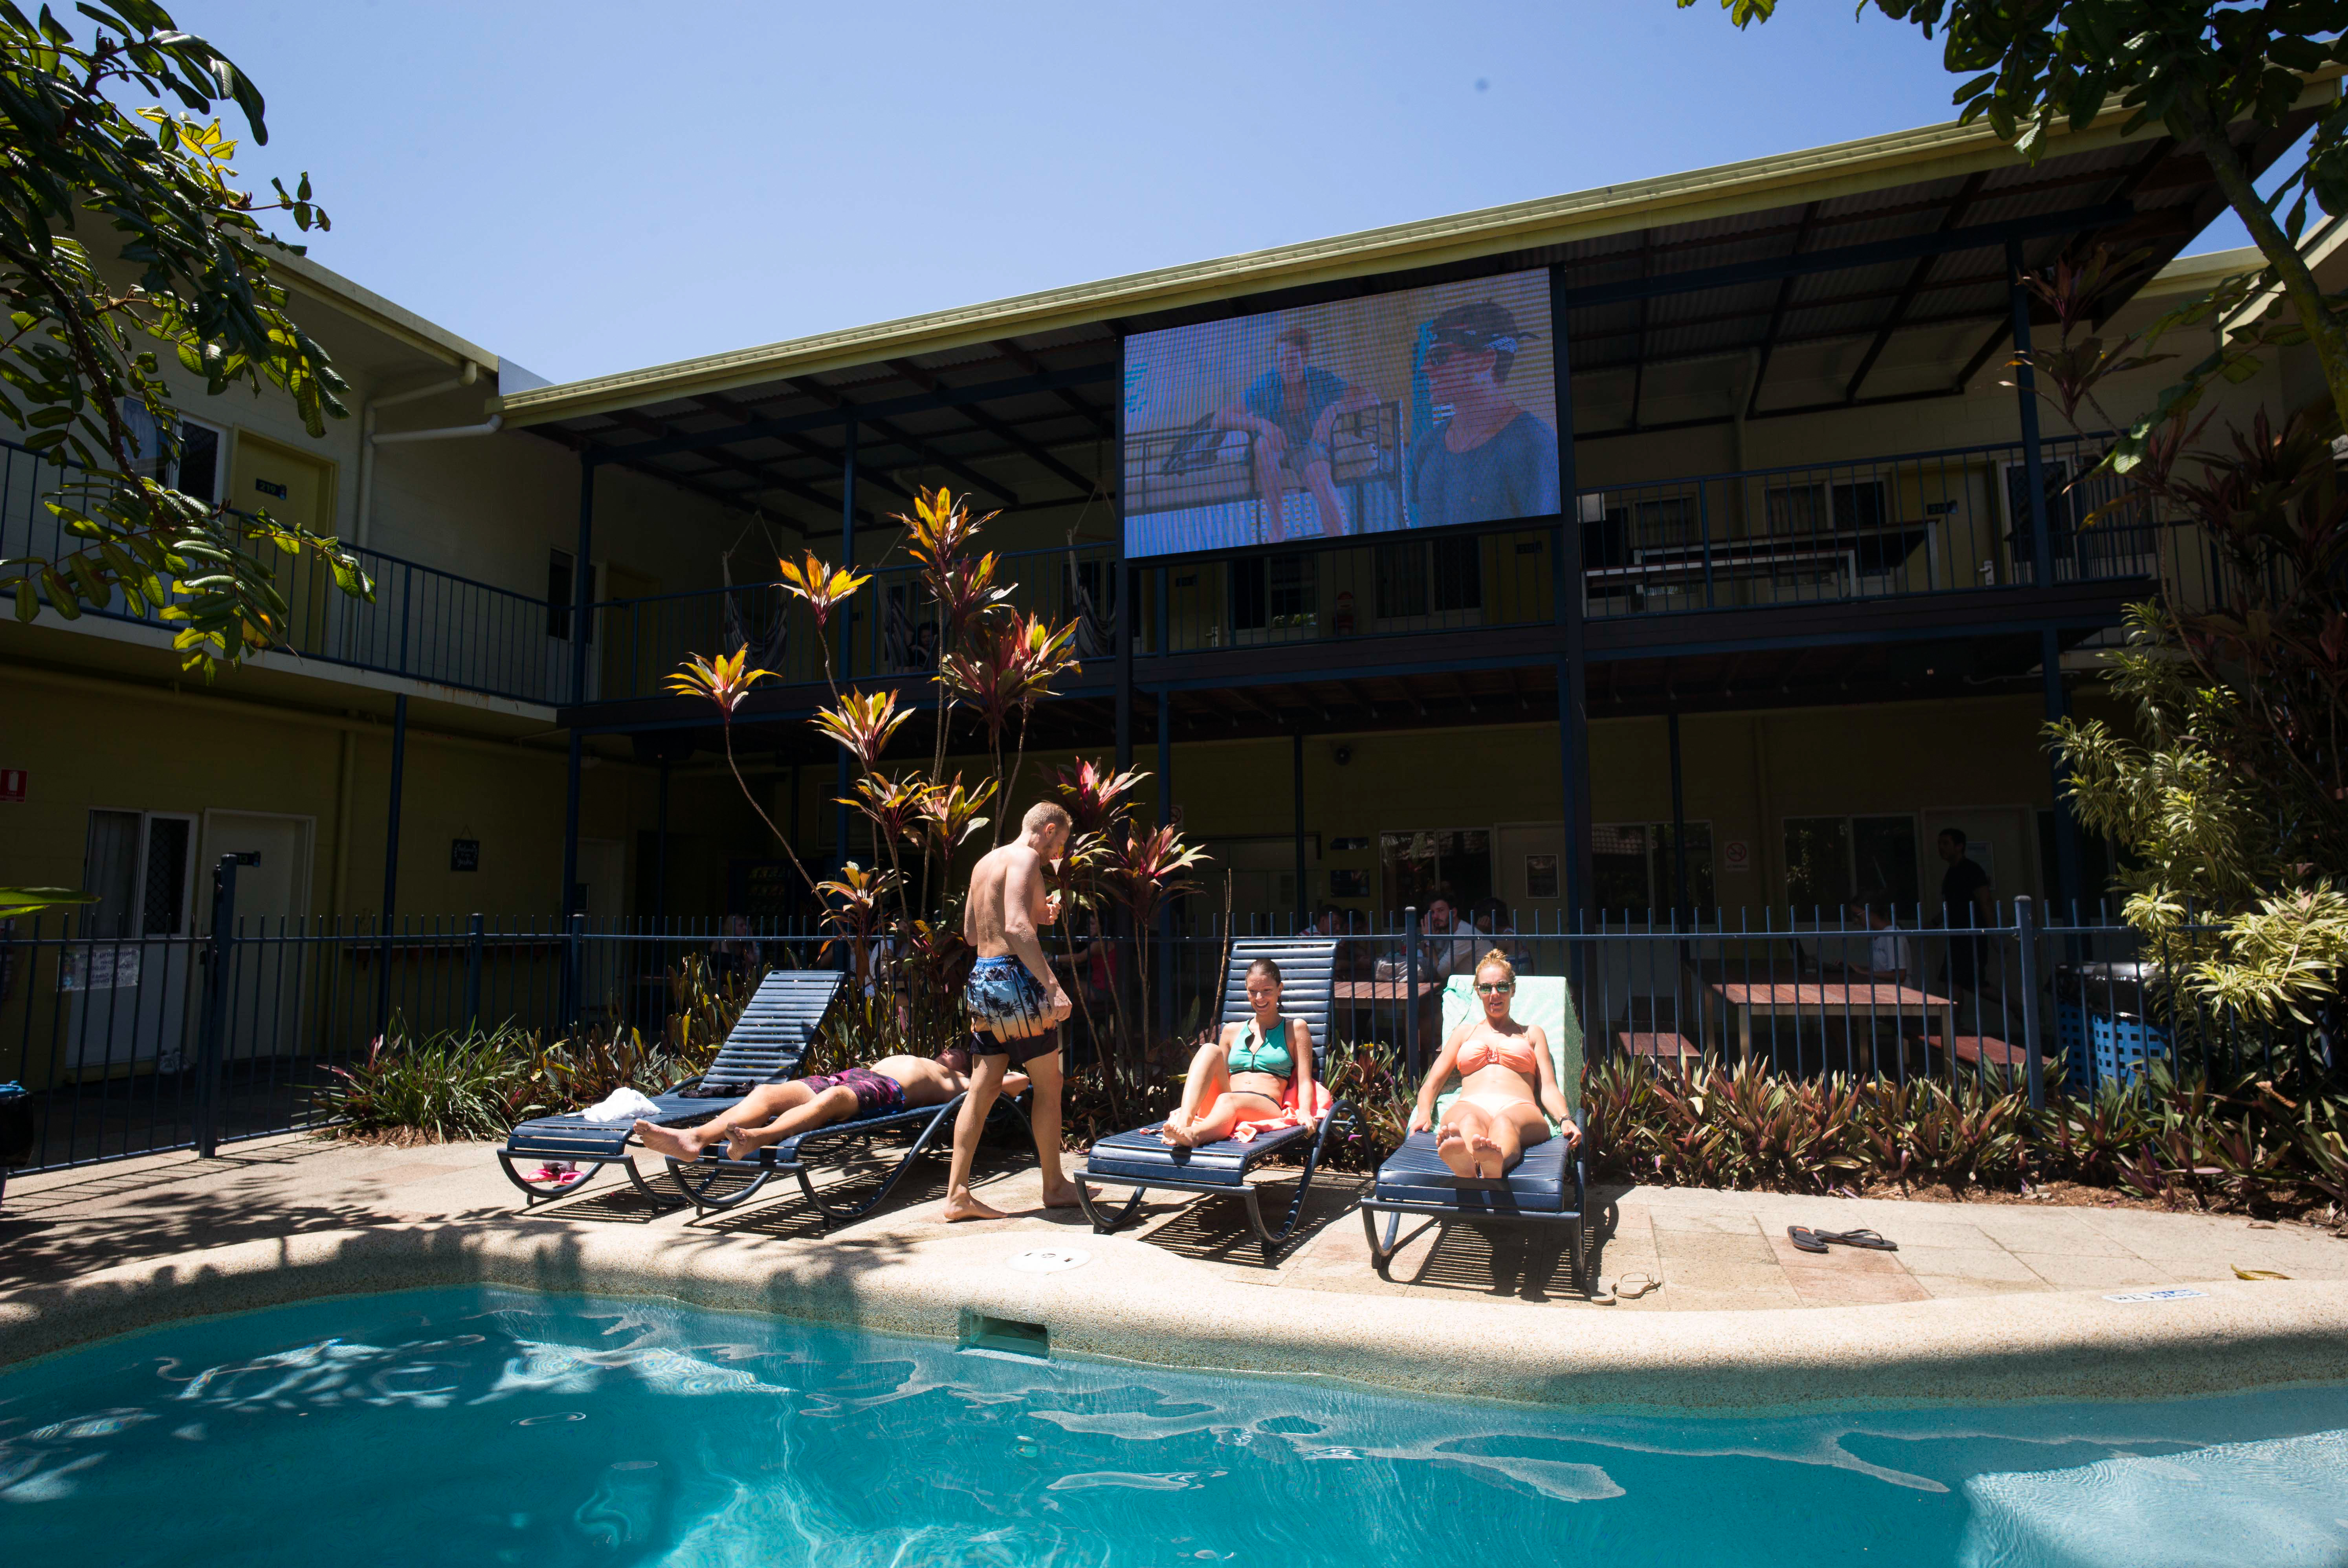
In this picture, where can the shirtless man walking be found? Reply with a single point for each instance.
(1015, 1005)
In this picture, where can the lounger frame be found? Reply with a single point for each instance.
(1489, 1202)
(765, 1045)
(1140, 1161)
(701, 1179)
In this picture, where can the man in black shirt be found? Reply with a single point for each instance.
(1966, 904)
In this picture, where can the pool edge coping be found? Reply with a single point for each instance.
(1137, 1304)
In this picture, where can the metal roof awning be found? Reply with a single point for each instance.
(1869, 272)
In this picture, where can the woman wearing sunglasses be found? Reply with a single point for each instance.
(1506, 1081)
(1242, 1074)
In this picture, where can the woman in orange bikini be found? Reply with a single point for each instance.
(1241, 1075)
(1505, 1081)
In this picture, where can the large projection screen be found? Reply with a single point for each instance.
(1420, 409)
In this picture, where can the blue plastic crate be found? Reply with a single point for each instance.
(2071, 1039)
(2124, 1046)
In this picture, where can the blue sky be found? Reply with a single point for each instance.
(589, 186)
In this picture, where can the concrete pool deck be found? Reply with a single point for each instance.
(1982, 1301)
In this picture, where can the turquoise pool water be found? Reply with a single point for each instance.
(483, 1426)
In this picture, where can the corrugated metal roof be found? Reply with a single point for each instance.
(1584, 224)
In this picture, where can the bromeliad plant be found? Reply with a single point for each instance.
(897, 917)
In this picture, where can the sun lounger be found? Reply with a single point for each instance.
(1545, 1187)
(716, 1181)
(765, 1046)
(1141, 1160)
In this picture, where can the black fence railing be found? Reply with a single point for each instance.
(134, 1044)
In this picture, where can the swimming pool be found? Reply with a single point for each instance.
(486, 1426)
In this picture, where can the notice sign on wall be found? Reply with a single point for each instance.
(12, 786)
(464, 855)
(1736, 856)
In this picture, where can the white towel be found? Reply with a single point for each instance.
(622, 1105)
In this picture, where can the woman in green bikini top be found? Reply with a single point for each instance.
(1244, 1074)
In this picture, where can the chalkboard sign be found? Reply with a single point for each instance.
(464, 855)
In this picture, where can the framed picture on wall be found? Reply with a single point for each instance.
(1540, 875)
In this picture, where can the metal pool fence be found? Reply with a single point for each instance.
(134, 1044)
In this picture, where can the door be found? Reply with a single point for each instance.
(267, 980)
(633, 662)
(294, 488)
(129, 981)
(603, 891)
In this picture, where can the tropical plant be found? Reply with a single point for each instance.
(456, 1084)
(186, 269)
(2195, 67)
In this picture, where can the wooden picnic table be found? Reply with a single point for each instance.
(1827, 998)
(1377, 992)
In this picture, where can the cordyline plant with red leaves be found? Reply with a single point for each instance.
(901, 924)
(2231, 798)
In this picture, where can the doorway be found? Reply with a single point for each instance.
(603, 891)
(293, 488)
(273, 898)
(129, 979)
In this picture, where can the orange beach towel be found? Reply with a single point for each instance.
(1290, 1115)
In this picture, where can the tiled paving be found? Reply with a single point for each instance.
(1712, 1251)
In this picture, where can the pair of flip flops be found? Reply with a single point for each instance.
(1810, 1240)
(556, 1176)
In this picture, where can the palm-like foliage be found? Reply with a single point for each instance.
(862, 724)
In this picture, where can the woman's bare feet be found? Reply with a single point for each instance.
(1451, 1148)
(1486, 1152)
(676, 1143)
(969, 1208)
(1179, 1136)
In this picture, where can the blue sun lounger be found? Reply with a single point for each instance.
(1141, 1160)
(764, 1046)
(705, 1179)
(1545, 1187)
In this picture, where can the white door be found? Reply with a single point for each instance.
(267, 980)
(129, 981)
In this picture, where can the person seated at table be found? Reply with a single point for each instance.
(773, 1111)
(1245, 1073)
(1506, 1081)
(1888, 959)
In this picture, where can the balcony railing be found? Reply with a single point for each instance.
(1933, 523)
(422, 623)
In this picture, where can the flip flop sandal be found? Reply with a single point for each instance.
(562, 1176)
(1869, 1239)
(1807, 1239)
(1602, 1293)
(1631, 1287)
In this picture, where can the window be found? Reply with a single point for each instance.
(1830, 860)
(1416, 865)
(1821, 508)
(1273, 592)
(1633, 870)
(561, 590)
(196, 469)
(1437, 577)
(136, 863)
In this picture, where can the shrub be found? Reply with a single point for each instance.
(446, 1086)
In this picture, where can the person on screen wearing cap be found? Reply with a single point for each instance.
(1290, 408)
(1491, 459)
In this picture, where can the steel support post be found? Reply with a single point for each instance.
(1123, 622)
(847, 617)
(1296, 778)
(660, 849)
(391, 859)
(2025, 393)
(1681, 899)
(1566, 592)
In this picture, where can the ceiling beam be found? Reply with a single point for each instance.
(978, 415)
(1100, 422)
(1914, 285)
(1778, 314)
(912, 443)
(739, 464)
(719, 402)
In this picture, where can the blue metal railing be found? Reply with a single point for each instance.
(424, 622)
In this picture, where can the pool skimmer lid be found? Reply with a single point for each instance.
(1047, 1260)
(2175, 1293)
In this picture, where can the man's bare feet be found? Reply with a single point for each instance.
(969, 1208)
(1062, 1196)
(740, 1145)
(675, 1144)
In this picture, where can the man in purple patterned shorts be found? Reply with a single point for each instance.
(773, 1111)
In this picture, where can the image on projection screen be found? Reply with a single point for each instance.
(1411, 410)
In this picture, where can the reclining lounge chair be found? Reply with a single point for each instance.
(1545, 1187)
(1142, 1160)
(764, 1047)
(703, 1180)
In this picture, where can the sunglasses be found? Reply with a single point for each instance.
(1499, 989)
